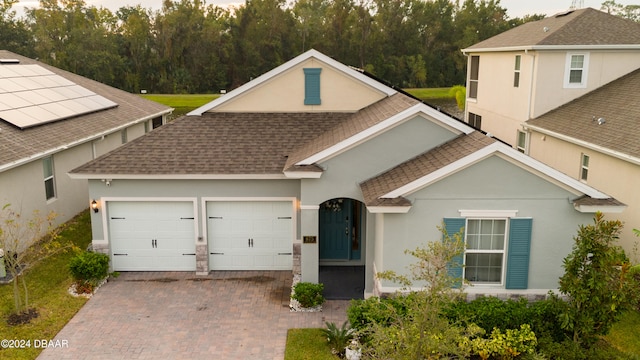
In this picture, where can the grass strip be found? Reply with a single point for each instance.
(307, 344)
(47, 282)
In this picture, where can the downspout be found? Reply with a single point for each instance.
(530, 100)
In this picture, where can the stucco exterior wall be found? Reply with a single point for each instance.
(344, 172)
(338, 92)
(504, 107)
(153, 189)
(613, 176)
(493, 184)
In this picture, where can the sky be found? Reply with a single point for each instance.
(515, 8)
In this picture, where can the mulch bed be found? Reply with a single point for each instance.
(23, 317)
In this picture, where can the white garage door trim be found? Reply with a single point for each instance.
(253, 257)
(173, 258)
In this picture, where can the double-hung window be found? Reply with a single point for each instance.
(497, 248)
(474, 120)
(484, 256)
(584, 167)
(49, 180)
(522, 142)
(577, 65)
(474, 72)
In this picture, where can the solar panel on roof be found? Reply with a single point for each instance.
(31, 95)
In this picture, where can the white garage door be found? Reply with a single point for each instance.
(250, 235)
(152, 236)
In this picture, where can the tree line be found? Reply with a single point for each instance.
(189, 46)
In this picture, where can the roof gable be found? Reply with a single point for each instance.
(224, 103)
(580, 28)
(367, 123)
(390, 189)
(606, 119)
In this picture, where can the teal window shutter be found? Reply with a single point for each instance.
(519, 250)
(452, 226)
(312, 86)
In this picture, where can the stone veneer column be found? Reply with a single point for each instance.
(297, 251)
(202, 261)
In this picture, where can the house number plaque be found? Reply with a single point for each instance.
(309, 240)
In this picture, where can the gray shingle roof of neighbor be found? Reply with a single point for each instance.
(580, 27)
(18, 145)
(420, 166)
(617, 104)
(216, 144)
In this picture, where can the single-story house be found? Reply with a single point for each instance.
(316, 163)
(52, 121)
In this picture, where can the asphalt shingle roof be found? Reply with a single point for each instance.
(17, 144)
(580, 27)
(216, 143)
(617, 102)
(420, 166)
(356, 123)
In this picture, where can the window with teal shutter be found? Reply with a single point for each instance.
(312, 86)
(452, 226)
(519, 250)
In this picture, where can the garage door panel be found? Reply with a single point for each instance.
(152, 236)
(231, 225)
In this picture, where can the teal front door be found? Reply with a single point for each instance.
(336, 229)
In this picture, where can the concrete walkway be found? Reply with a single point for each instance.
(176, 315)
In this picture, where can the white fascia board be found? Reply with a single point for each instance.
(40, 155)
(384, 125)
(632, 159)
(440, 173)
(303, 174)
(285, 67)
(497, 147)
(592, 209)
(388, 209)
(552, 48)
(179, 177)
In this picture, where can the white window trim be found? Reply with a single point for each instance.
(517, 66)
(583, 167)
(504, 253)
(525, 149)
(52, 177)
(488, 214)
(585, 71)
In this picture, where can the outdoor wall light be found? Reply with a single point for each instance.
(94, 206)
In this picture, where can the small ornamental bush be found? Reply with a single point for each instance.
(338, 338)
(89, 267)
(308, 294)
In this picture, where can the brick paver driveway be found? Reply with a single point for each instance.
(153, 315)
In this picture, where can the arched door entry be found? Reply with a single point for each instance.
(340, 223)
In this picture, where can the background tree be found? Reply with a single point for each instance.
(597, 281)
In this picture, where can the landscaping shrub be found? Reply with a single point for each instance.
(308, 294)
(490, 312)
(88, 269)
(364, 313)
(338, 338)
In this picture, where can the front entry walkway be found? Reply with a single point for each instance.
(176, 315)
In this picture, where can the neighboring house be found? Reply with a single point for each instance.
(542, 87)
(52, 121)
(315, 163)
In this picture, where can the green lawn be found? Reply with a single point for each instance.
(307, 344)
(625, 335)
(430, 93)
(182, 103)
(47, 283)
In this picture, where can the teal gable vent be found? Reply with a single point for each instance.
(312, 86)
